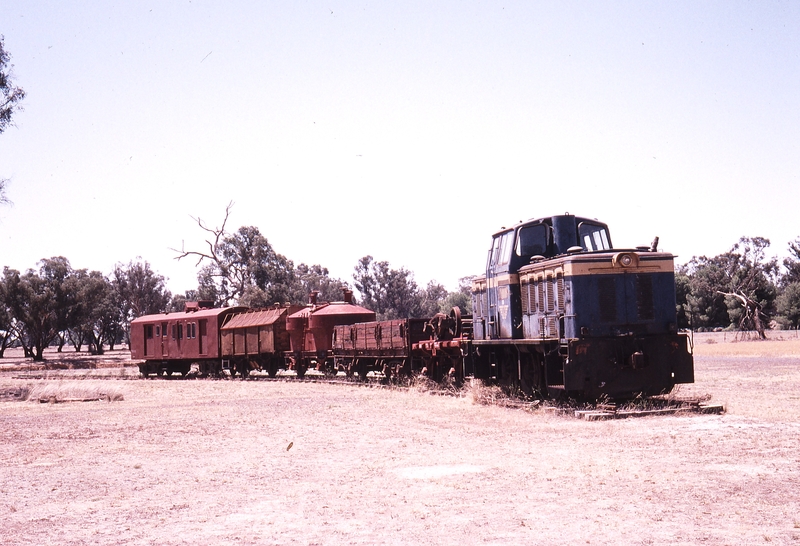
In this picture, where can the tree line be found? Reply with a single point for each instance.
(59, 305)
(740, 289)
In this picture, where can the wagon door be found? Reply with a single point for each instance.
(203, 337)
(164, 345)
(149, 349)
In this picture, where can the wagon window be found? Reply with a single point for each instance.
(532, 240)
(158, 331)
(148, 331)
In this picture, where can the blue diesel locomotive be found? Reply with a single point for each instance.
(561, 313)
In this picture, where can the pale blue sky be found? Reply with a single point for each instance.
(410, 131)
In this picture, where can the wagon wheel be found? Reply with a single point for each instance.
(272, 370)
(396, 370)
(388, 373)
(457, 365)
(361, 368)
(455, 314)
(300, 369)
(330, 368)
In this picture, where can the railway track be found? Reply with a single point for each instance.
(491, 396)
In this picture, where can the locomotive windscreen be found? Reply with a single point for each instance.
(533, 240)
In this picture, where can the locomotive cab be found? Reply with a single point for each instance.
(497, 312)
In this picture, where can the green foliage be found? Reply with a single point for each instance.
(738, 287)
(137, 290)
(316, 278)
(10, 97)
(7, 321)
(393, 293)
(683, 289)
(243, 268)
(36, 301)
(792, 264)
(788, 305)
(706, 305)
(141, 290)
(57, 303)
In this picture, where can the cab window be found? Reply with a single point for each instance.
(501, 249)
(593, 237)
(506, 244)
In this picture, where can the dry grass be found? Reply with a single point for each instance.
(779, 344)
(68, 391)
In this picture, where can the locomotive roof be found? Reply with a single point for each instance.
(549, 220)
(256, 317)
(201, 313)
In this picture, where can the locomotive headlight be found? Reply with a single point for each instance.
(625, 259)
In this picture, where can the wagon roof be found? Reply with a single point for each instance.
(202, 313)
(255, 317)
(335, 308)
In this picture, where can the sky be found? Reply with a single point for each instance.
(408, 131)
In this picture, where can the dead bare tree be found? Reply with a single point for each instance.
(751, 318)
(213, 246)
(243, 267)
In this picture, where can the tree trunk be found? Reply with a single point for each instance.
(38, 354)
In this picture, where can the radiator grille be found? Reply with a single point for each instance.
(525, 296)
(560, 291)
(607, 299)
(644, 297)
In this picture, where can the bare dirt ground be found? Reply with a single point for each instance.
(247, 462)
